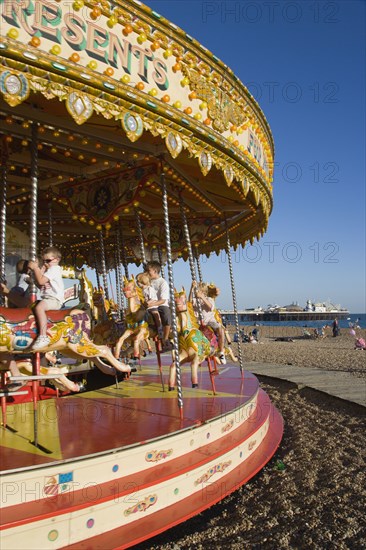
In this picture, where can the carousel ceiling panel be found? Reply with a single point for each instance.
(100, 121)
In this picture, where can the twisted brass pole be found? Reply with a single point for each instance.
(33, 254)
(171, 290)
(141, 239)
(190, 255)
(233, 293)
(123, 251)
(4, 186)
(198, 263)
(103, 265)
(50, 226)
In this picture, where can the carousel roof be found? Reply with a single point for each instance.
(97, 102)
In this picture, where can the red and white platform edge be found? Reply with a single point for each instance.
(122, 466)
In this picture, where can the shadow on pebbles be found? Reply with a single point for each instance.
(311, 495)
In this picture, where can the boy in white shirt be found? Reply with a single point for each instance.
(143, 280)
(48, 278)
(162, 303)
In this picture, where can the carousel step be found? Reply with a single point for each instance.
(9, 393)
(250, 442)
(135, 533)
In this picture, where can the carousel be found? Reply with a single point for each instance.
(123, 142)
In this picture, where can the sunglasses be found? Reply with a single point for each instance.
(49, 260)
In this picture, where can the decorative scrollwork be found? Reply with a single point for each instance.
(15, 87)
(174, 144)
(79, 106)
(132, 125)
(220, 108)
(205, 162)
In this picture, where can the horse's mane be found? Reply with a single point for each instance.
(139, 291)
(189, 311)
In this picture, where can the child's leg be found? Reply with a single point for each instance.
(166, 332)
(157, 321)
(164, 312)
(220, 333)
(41, 317)
(14, 371)
(221, 337)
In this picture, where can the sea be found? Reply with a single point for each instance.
(354, 319)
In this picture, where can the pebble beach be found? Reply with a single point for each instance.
(329, 353)
(312, 493)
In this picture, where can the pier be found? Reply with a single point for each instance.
(278, 316)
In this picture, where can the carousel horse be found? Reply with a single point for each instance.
(69, 330)
(86, 288)
(24, 366)
(194, 347)
(138, 331)
(103, 309)
(106, 328)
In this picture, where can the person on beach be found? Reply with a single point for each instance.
(252, 339)
(335, 328)
(150, 295)
(49, 279)
(161, 287)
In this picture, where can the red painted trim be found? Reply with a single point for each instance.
(145, 528)
(22, 514)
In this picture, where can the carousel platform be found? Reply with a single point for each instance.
(118, 465)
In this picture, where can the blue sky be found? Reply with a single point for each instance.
(305, 63)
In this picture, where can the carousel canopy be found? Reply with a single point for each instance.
(98, 100)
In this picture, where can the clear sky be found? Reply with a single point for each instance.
(304, 62)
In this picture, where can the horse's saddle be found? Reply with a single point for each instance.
(22, 314)
(210, 335)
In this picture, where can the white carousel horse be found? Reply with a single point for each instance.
(22, 366)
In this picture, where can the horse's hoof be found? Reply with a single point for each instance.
(171, 388)
(194, 385)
